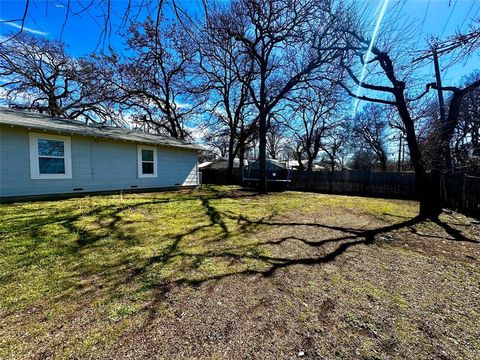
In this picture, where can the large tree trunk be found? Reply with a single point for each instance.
(428, 186)
(53, 107)
(262, 130)
(231, 157)
(262, 134)
(310, 164)
(383, 163)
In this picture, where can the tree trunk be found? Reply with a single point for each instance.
(428, 184)
(241, 157)
(262, 134)
(310, 164)
(231, 158)
(383, 164)
(53, 107)
(332, 159)
(428, 187)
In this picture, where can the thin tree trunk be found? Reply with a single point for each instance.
(241, 157)
(262, 133)
(309, 164)
(231, 158)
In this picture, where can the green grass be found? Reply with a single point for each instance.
(113, 253)
(52, 249)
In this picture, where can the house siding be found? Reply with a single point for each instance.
(97, 165)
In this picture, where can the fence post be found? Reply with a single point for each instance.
(464, 192)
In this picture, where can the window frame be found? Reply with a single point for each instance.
(34, 156)
(140, 161)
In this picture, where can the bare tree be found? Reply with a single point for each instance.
(283, 42)
(335, 144)
(370, 131)
(219, 141)
(38, 75)
(314, 111)
(152, 80)
(275, 137)
(466, 138)
(395, 94)
(220, 71)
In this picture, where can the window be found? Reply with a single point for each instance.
(147, 161)
(50, 157)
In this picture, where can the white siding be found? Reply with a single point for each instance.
(97, 165)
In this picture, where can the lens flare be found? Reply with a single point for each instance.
(381, 15)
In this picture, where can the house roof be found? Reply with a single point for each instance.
(47, 123)
(205, 164)
(274, 162)
(294, 163)
(222, 161)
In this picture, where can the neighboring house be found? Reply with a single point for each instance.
(276, 171)
(41, 155)
(221, 163)
(294, 165)
(271, 165)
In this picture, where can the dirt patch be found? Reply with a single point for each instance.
(403, 296)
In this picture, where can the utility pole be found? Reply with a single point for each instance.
(399, 166)
(439, 85)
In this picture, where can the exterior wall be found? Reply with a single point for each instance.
(97, 165)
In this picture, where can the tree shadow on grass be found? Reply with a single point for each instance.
(350, 237)
(220, 248)
(108, 217)
(236, 253)
(266, 265)
(454, 233)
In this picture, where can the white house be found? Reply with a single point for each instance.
(41, 155)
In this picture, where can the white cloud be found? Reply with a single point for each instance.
(27, 29)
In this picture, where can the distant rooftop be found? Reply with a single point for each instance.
(44, 122)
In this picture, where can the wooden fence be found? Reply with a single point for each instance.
(219, 177)
(459, 192)
(365, 183)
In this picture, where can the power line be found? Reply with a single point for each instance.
(475, 15)
(449, 17)
(468, 13)
(423, 23)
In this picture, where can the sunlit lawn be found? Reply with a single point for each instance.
(77, 275)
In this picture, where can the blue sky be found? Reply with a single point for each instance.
(81, 32)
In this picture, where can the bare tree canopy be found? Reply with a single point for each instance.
(37, 74)
(283, 43)
(314, 113)
(370, 132)
(152, 78)
(389, 85)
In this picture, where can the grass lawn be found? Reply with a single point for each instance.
(221, 272)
